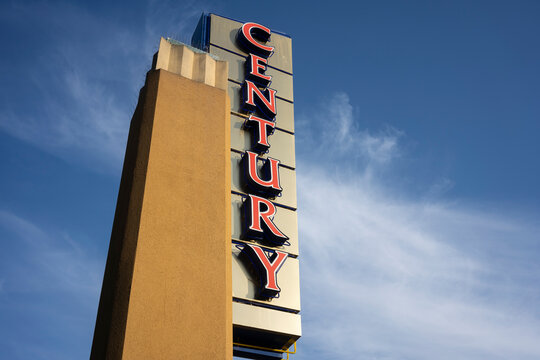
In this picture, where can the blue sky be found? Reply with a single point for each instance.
(417, 155)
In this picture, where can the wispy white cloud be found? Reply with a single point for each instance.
(47, 261)
(74, 106)
(333, 132)
(439, 188)
(50, 290)
(86, 124)
(86, 79)
(388, 276)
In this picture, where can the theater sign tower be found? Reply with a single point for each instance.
(203, 260)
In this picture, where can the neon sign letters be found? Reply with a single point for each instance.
(260, 102)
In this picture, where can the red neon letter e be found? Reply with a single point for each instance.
(256, 66)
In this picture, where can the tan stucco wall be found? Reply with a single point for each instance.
(167, 286)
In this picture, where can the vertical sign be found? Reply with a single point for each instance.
(266, 290)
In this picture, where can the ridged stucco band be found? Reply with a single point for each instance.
(191, 63)
(167, 286)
